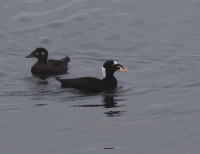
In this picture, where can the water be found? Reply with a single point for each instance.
(155, 108)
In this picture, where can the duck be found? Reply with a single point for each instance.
(95, 85)
(47, 67)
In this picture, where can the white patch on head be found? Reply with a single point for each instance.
(43, 53)
(36, 53)
(104, 72)
(115, 62)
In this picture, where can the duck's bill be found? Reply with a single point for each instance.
(31, 55)
(122, 69)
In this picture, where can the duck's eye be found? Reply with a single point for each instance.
(36, 53)
(118, 67)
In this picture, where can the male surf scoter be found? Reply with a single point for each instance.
(44, 67)
(94, 85)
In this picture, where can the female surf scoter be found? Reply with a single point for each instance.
(94, 85)
(44, 67)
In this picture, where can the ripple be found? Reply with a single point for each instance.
(137, 23)
(92, 10)
(4, 73)
(109, 148)
(45, 40)
(108, 101)
(80, 18)
(26, 30)
(113, 37)
(171, 51)
(72, 35)
(114, 113)
(2, 36)
(178, 113)
(25, 19)
(177, 45)
(97, 46)
(53, 24)
(197, 5)
(195, 83)
(100, 24)
(92, 29)
(46, 12)
(40, 104)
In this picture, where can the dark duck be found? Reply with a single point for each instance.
(95, 85)
(47, 67)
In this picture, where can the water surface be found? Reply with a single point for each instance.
(155, 108)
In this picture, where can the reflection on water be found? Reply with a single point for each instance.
(108, 148)
(111, 102)
(40, 104)
(108, 101)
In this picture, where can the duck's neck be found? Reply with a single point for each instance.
(44, 61)
(109, 77)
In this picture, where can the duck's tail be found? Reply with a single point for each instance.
(66, 59)
(60, 80)
(57, 78)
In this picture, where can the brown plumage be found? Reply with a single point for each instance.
(50, 67)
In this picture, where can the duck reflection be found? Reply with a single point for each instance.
(107, 102)
(111, 102)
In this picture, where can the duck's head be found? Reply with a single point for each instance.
(110, 66)
(40, 53)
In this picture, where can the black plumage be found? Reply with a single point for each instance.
(95, 85)
(50, 67)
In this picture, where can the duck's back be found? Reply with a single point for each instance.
(89, 84)
(59, 66)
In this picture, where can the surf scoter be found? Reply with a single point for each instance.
(44, 67)
(94, 85)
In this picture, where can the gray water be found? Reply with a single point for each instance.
(155, 108)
